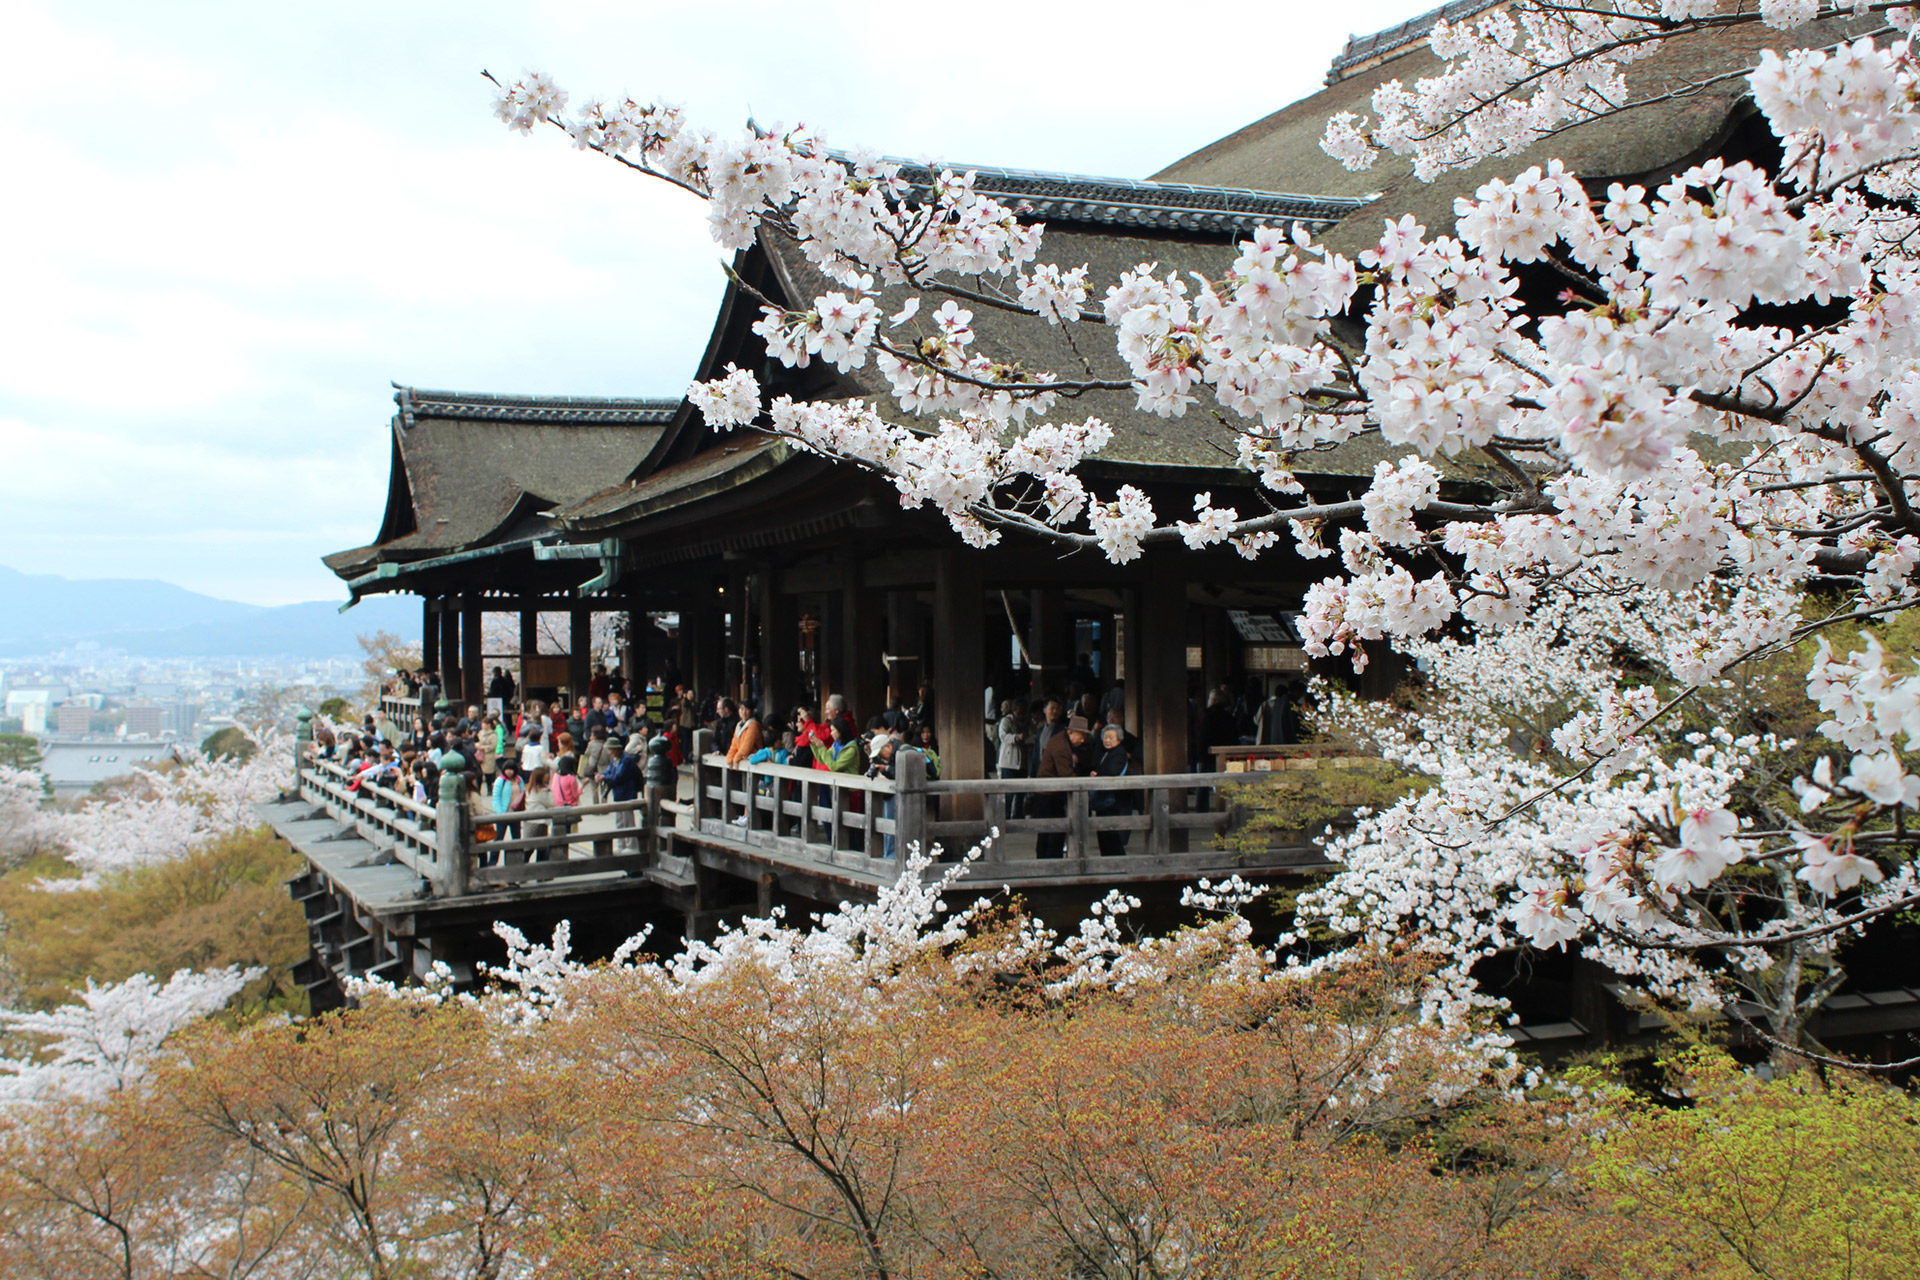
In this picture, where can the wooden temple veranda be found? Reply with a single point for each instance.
(773, 569)
(736, 562)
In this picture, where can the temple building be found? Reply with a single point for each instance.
(783, 578)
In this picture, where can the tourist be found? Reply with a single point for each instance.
(746, 740)
(500, 688)
(539, 795)
(509, 796)
(882, 752)
(473, 797)
(593, 760)
(1113, 760)
(929, 746)
(725, 725)
(1064, 756)
(663, 784)
(534, 753)
(621, 778)
(487, 746)
(841, 753)
(426, 781)
(1011, 740)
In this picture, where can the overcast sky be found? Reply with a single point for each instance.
(229, 227)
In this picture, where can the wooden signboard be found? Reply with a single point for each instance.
(546, 671)
(1274, 657)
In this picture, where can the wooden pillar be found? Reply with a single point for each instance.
(959, 672)
(449, 652)
(683, 641)
(1162, 672)
(707, 641)
(1130, 657)
(863, 678)
(743, 615)
(779, 648)
(1050, 642)
(473, 674)
(429, 634)
(1218, 629)
(903, 646)
(579, 650)
(529, 640)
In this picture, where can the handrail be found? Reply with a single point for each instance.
(399, 800)
(803, 812)
(796, 773)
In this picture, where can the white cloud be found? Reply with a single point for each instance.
(233, 224)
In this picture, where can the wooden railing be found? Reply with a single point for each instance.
(437, 841)
(400, 710)
(1150, 828)
(819, 820)
(392, 821)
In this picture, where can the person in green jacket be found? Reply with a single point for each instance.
(842, 755)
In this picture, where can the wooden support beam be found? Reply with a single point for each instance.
(1049, 641)
(1163, 669)
(429, 634)
(473, 675)
(743, 615)
(529, 635)
(903, 647)
(579, 650)
(959, 673)
(863, 678)
(706, 640)
(779, 648)
(449, 652)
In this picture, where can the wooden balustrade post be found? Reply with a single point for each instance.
(302, 740)
(450, 827)
(1079, 825)
(702, 776)
(1159, 806)
(909, 800)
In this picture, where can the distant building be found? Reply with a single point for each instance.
(75, 767)
(73, 721)
(18, 700)
(183, 717)
(145, 720)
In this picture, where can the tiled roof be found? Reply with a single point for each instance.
(471, 406)
(1128, 202)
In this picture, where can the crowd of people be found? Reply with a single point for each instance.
(619, 744)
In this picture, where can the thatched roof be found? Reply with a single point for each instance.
(1282, 151)
(1201, 439)
(468, 470)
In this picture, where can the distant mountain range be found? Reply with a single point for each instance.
(41, 612)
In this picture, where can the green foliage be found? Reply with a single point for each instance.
(1306, 800)
(223, 904)
(20, 750)
(1786, 1178)
(230, 742)
(334, 708)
